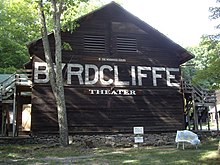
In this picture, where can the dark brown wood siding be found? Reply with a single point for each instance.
(156, 110)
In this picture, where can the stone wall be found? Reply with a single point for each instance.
(21, 140)
(123, 140)
(117, 140)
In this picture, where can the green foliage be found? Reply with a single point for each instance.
(66, 46)
(205, 66)
(18, 25)
(8, 70)
(215, 14)
(76, 9)
(71, 10)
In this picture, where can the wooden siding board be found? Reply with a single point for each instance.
(87, 112)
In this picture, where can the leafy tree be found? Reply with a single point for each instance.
(215, 14)
(206, 64)
(207, 58)
(55, 75)
(75, 11)
(18, 25)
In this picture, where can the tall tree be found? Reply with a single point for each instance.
(55, 75)
(207, 61)
(57, 8)
(215, 14)
(18, 25)
(207, 57)
(206, 64)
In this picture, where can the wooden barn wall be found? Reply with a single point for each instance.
(156, 108)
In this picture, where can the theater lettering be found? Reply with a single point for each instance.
(108, 75)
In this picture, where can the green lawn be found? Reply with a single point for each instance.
(39, 154)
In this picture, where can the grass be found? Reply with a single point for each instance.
(39, 154)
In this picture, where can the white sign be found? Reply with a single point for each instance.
(138, 139)
(138, 130)
(112, 92)
(108, 75)
(113, 59)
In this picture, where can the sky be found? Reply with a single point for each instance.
(183, 21)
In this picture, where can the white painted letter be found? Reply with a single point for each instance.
(155, 75)
(103, 81)
(133, 75)
(96, 76)
(141, 75)
(40, 68)
(171, 76)
(117, 82)
(77, 73)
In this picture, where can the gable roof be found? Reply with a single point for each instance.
(113, 7)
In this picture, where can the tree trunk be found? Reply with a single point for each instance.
(61, 106)
(55, 74)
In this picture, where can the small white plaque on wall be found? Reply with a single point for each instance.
(138, 139)
(139, 130)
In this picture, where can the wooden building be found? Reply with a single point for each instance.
(120, 73)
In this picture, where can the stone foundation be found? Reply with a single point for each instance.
(91, 141)
(117, 140)
(123, 140)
